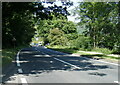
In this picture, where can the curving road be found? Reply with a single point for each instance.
(42, 65)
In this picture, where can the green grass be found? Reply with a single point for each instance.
(102, 50)
(99, 56)
(63, 49)
(74, 51)
(8, 54)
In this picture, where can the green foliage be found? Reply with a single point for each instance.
(8, 54)
(56, 37)
(72, 36)
(6, 61)
(101, 23)
(63, 49)
(47, 29)
(81, 43)
(102, 50)
(45, 25)
(18, 23)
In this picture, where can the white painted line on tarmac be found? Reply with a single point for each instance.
(117, 82)
(24, 81)
(109, 63)
(67, 63)
(90, 59)
(17, 59)
(18, 64)
(103, 61)
(20, 70)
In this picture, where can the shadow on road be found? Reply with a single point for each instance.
(36, 62)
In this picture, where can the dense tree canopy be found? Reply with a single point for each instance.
(67, 27)
(19, 20)
(17, 23)
(101, 22)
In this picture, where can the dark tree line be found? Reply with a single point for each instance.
(17, 23)
(101, 21)
(19, 19)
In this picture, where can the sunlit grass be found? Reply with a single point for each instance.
(71, 51)
(101, 56)
(8, 55)
(102, 50)
(63, 49)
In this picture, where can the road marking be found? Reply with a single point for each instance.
(20, 71)
(91, 59)
(67, 63)
(102, 61)
(116, 82)
(18, 64)
(61, 60)
(24, 81)
(17, 59)
(109, 63)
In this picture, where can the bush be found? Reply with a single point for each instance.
(102, 50)
(81, 43)
(6, 60)
(56, 37)
(116, 51)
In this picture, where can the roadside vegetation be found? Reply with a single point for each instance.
(17, 29)
(99, 53)
(97, 30)
(101, 29)
(23, 22)
(99, 20)
(8, 54)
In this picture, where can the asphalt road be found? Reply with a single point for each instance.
(42, 65)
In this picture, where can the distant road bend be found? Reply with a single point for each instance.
(42, 65)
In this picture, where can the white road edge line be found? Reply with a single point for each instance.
(18, 64)
(20, 70)
(17, 59)
(109, 63)
(24, 81)
(116, 82)
(103, 61)
(92, 59)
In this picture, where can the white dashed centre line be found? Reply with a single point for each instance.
(24, 81)
(20, 70)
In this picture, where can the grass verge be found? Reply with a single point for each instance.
(8, 54)
(75, 51)
(98, 56)
(63, 49)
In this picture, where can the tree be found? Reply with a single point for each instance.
(56, 37)
(43, 12)
(100, 20)
(17, 22)
(44, 27)
(48, 18)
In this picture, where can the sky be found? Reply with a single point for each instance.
(71, 17)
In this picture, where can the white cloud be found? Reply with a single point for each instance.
(75, 4)
(58, 3)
